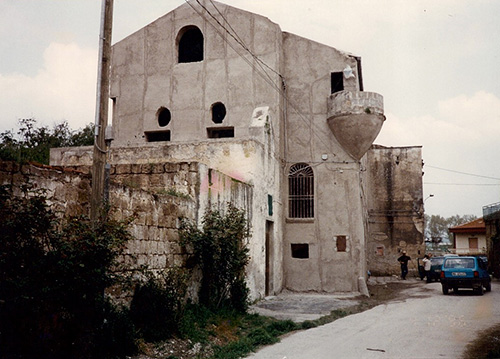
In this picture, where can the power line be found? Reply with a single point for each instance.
(462, 173)
(463, 184)
(265, 76)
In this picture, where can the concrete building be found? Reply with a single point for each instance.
(288, 116)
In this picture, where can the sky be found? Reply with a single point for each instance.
(436, 63)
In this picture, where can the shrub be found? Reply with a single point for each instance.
(52, 278)
(157, 304)
(219, 249)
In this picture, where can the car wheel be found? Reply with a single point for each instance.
(488, 287)
(455, 290)
(445, 289)
(480, 290)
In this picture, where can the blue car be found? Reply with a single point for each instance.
(465, 272)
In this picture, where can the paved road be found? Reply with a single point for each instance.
(427, 324)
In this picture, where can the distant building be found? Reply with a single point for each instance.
(208, 83)
(491, 216)
(469, 238)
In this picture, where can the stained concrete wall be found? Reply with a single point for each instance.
(146, 75)
(338, 206)
(393, 184)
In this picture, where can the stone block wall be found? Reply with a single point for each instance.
(152, 196)
(67, 190)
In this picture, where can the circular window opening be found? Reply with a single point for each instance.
(163, 116)
(218, 112)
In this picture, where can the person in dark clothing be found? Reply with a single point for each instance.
(403, 260)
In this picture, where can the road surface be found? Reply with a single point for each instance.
(426, 325)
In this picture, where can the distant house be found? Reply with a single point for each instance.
(469, 238)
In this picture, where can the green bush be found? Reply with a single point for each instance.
(220, 251)
(33, 142)
(52, 278)
(157, 305)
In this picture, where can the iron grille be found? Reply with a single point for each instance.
(301, 191)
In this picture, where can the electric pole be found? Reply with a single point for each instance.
(101, 113)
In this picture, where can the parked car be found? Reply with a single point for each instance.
(465, 272)
(435, 273)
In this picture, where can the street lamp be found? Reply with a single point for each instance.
(429, 196)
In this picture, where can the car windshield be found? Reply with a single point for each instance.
(437, 261)
(459, 263)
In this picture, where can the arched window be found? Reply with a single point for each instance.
(190, 44)
(301, 191)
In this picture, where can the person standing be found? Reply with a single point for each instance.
(427, 267)
(403, 260)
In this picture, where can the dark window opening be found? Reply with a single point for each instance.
(341, 243)
(300, 250)
(163, 116)
(158, 136)
(218, 112)
(191, 45)
(337, 82)
(220, 132)
(301, 191)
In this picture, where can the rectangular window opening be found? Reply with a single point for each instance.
(337, 79)
(341, 243)
(220, 132)
(300, 250)
(157, 136)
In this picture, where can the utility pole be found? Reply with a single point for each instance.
(101, 112)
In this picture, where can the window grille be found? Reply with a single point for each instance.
(301, 191)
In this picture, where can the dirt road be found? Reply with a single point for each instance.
(427, 324)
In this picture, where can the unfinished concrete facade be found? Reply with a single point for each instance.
(395, 208)
(288, 116)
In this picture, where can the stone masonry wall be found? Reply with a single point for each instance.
(153, 196)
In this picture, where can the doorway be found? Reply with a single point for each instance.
(269, 256)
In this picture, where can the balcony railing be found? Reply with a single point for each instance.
(492, 210)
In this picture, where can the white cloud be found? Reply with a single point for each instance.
(64, 89)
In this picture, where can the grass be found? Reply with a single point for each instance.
(485, 346)
(231, 335)
(226, 334)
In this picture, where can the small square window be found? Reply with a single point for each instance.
(341, 243)
(300, 250)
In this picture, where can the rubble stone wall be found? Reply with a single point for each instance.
(154, 197)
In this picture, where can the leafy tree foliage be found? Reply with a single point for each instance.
(33, 142)
(436, 227)
(219, 248)
(52, 279)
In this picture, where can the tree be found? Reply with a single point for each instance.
(53, 273)
(436, 227)
(33, 142)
